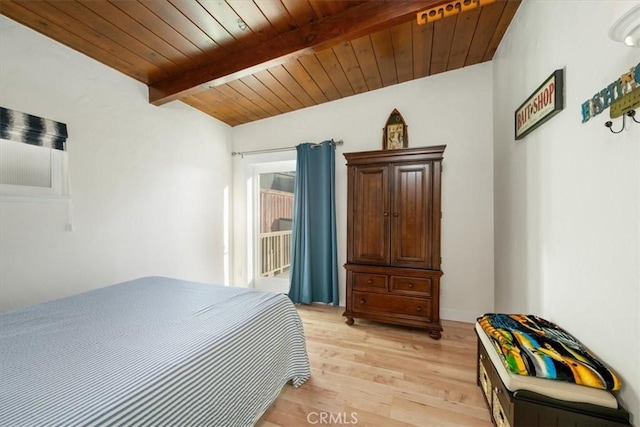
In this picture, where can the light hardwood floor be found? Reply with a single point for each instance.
(382, 375)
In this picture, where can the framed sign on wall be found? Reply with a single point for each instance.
(545, 102)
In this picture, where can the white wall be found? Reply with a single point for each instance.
(567, 196)
(452, 109)
(147, 182)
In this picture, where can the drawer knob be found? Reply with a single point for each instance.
(362, 300)
(369, 281)
(418, 308)
(386, 214)
(496, 390)
(410, 285)
(395, 214)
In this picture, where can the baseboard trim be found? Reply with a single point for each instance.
(459, 315)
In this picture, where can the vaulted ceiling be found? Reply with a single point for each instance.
(242, 60)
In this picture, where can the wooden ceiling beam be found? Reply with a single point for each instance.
(354, 22)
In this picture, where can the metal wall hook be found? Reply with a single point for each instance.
(631, 114)
(610, 123)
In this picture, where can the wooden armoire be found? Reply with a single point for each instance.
(393, 237)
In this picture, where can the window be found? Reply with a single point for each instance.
(33, 160)
(272, 219)
(28, 170)
(276, 216)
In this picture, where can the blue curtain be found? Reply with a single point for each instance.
(314, 260)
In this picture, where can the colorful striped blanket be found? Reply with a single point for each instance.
(531, 345)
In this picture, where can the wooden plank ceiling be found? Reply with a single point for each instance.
(242, 60)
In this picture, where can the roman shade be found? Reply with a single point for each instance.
(22, 127)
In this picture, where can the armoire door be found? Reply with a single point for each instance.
(370, 220)
(411, 215)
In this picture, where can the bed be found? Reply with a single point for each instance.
(152, 351)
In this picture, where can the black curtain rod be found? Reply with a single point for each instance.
(273, 150)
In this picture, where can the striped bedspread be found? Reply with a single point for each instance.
(153, 351)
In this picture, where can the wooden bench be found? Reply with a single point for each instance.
(525, 408)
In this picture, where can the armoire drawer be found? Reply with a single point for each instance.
(370, 282)
(386, 303)
(411, 286)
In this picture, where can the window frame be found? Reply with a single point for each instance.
(269, 283)
(59, 178)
